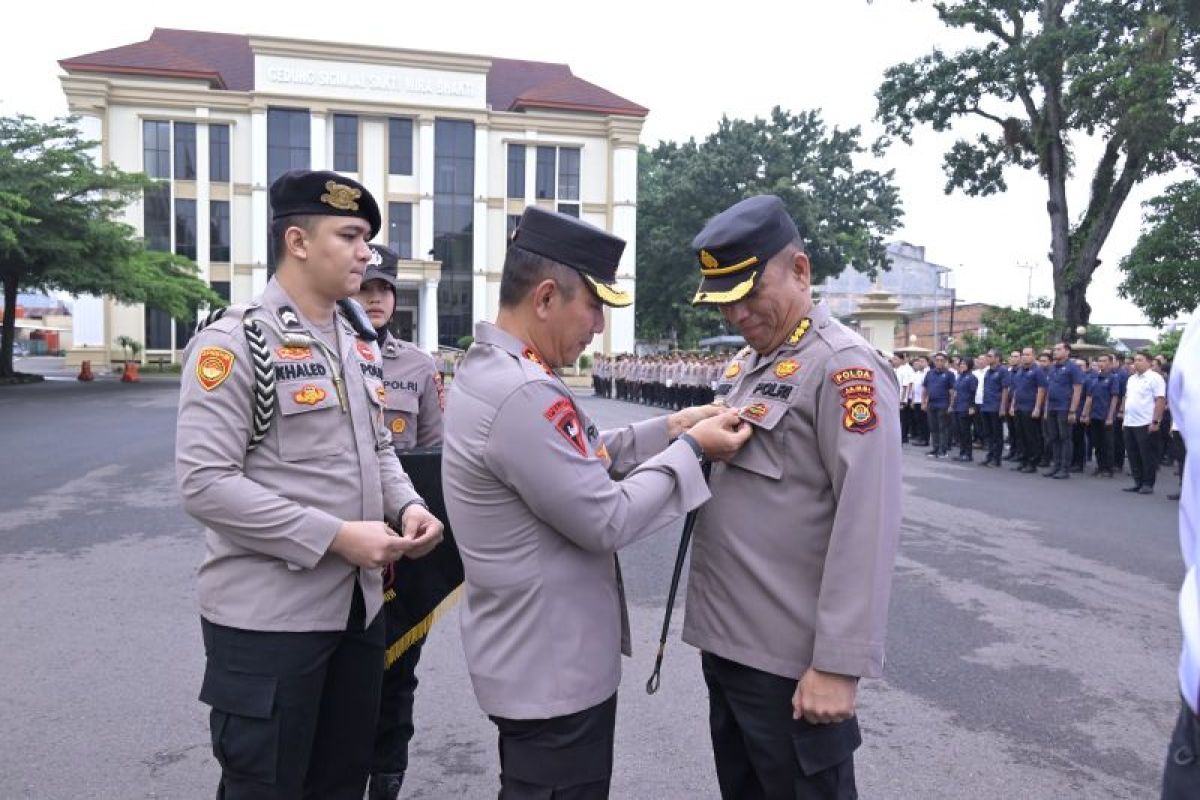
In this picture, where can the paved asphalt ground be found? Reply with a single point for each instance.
(1031, 652)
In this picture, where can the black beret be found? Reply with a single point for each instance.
(591, 252)
(304, 192)
(735, 246)
(382, 266)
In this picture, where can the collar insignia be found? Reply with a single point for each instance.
(801, 329)
(785, 369)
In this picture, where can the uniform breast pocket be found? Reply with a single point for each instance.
(309, 416)
(763, 454)
(400, 416)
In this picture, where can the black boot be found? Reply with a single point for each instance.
(385, 785)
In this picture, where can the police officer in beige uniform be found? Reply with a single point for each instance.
(792, 563)
(413, 415)
(538, 516)
(282, 453)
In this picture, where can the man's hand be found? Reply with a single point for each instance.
(682, 421)
(421, 529)
(1071, 418)
(1036, 414)
(368, 544)
(824, 697)
(720, 437)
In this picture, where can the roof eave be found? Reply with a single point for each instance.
(623, 111)
(213, 78)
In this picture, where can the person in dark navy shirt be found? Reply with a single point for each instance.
(1025, 400)
(995, 397)
(1063, 392)
(1121, 372)
(1100, 410)
(939, 382)
(963, 403)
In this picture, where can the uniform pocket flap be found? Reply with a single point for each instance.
(296, 398)
(402, 401)
(819, 747)
(238, 693)
(762, 413)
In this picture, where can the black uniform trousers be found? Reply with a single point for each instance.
(1181, 777)
(906, 416)
(1101, 436)
(395, 728)
(293, 714)
(560, 758)
(762, 753)
(965, 420)
(1060, 440)
(993, 436)
(939, 430)
(1118, 442)
(1144, 453)
(1029, 430)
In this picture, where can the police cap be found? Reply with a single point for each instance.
(591, 252)
(308, 192)
(382, 266)
(734, 247)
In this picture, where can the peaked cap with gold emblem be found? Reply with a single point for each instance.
(320, 193)
(735, 246)
(591, 252)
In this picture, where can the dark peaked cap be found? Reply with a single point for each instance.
(305, 192)
(734, 247)
(382, 266)
(591, 252)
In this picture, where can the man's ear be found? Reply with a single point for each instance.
(543, 296)
(802, 268)
(295, 240)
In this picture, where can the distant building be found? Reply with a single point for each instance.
(912, 280)
(43, 324)
(952, 322)
(1127, 344)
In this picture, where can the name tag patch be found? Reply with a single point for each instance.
(291, 372)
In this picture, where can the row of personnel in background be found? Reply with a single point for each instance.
(1053, 410)
(288, 420)
(676, 380)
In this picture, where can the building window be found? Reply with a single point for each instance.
(184, 329)
(218, 153)
(185, 151)
(516, 171)
(345, 143)
(545, 173)
(400, 228)
(288, 137)
(570, 209)
(568, 174)
(453, 224)
(185, 228)
(218, 227)
(221, 288)
(400, 146)
(513, 221)
(156, 225)
(156, 148)
(157, 329)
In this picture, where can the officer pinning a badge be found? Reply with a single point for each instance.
(412, 392)
(540, 501)
(791, 568)
(282, 453)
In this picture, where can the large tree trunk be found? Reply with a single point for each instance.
(8, 333)
(1076, 311)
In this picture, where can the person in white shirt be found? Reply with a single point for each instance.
(904, 376)
(1145, 401)
(1181, 778)
(920, 422)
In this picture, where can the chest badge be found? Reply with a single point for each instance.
(293, 353)
(756, 411)
(786, 368)
(733, 369)
(309, 395)
(380, 394)
(364, 350)
(213, 366)
(399, 425)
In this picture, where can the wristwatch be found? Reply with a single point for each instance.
(692, 443)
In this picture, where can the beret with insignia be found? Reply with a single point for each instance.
(382, 265)
(734, 247)
(591, 252)
(308, 192)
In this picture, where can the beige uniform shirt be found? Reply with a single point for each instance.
(271, 513)
(792, 561)
(414, 399)
(538, 517)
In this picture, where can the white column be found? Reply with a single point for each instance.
(87, 311)
(318, 143)
(425, 187)
(479, 259)
(427, 336)
(624, 225)
(258, 201)
(530, 169)
(203, 195)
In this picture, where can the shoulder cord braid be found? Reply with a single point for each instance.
(264, 382)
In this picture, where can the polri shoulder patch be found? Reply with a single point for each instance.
(213, 366)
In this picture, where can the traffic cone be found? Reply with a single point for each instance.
(85, 372)
(130, 375)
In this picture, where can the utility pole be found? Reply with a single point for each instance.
(1028, 285)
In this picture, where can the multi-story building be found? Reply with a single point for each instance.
(453, 147)
(911, 279)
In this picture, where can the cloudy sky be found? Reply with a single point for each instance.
(688, 62)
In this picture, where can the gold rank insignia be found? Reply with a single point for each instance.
(340, 196)
(380, 394)
(787, 368)
(732, 370)
(213, 366)
(399, 425)
(293, 353)
(801, 329)
(309, 395)
(708, 261)
(756, 411)
(532, 355)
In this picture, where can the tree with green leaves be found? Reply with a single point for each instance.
(60, 229)
(1162, 272)
(1008, 329)
(1046, 74)
(842, 210)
